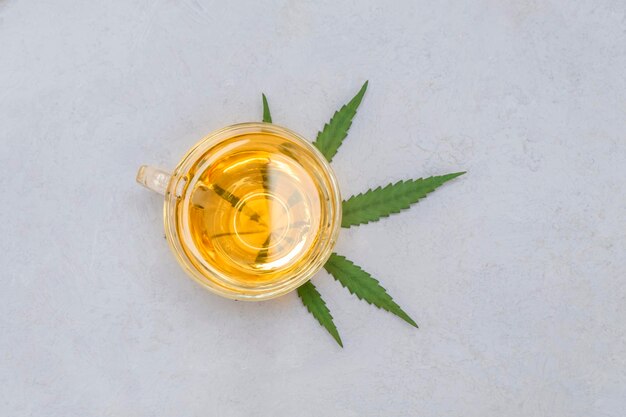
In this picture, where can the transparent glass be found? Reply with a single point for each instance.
(251, 212)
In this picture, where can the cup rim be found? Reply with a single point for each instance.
(174, 193)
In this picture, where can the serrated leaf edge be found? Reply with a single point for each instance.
(392, 304)
(329, 147)
(346, 212)
(330, 326)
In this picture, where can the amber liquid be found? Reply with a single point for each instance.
(255, 209)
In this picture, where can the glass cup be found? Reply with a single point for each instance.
(251, 212)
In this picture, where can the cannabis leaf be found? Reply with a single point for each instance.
(335, 131)
(267, 117)
(313, 301)
(359, 209)
(381, 202)
(363, 285)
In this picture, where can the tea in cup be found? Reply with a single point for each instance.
(251, 212)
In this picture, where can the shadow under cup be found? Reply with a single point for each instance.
(252, 211)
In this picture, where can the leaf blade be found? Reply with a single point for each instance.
(330, 138)
(363, 285)
(381, 202)
(267, 116)
(314, 303)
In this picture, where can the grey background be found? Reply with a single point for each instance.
(515, 272)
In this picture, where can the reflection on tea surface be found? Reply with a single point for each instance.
(254, 208)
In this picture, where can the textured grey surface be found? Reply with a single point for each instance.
(515, 272)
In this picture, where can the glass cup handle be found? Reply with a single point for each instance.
(153, 179)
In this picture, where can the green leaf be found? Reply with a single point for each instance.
(335, 131)
(313, 301)
(363, 285)
(267, 117)
(381, 202)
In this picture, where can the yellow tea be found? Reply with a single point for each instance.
(255, 208)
